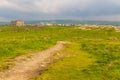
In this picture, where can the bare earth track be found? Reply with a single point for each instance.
(29, 68)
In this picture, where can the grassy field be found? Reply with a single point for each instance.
(92, 55)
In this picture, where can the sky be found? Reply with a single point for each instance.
(105, 10)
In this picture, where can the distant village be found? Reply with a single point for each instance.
(22, 23)
(80, 26)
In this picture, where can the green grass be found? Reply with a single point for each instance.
(88, 61)
(69, 67)
(92, 55)
(107, 65)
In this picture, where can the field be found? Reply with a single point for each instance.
(93, 53)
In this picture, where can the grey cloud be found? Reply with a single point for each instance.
(47, 9)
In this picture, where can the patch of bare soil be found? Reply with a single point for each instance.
(31, 66)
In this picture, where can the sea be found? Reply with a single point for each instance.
(89, 22)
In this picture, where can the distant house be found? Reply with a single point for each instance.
(17, 23)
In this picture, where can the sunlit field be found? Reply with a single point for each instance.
(93, 53)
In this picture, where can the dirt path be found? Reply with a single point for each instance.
(30, 67)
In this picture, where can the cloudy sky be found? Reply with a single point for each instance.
(60, 9)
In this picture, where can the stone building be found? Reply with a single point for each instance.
(17, 23)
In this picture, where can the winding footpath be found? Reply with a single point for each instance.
(30, 67)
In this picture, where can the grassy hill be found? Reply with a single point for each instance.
(92, 55)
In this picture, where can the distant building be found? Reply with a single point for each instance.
(17, 23)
